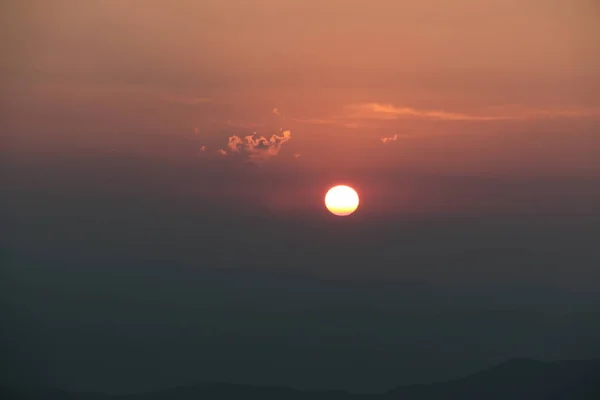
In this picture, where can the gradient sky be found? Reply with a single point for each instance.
(469, 87)
(467, 109)
(164, 166)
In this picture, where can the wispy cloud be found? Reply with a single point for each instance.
(255, 148)
(391, 112)
(387, 139)
(520, 112)
(276, 111)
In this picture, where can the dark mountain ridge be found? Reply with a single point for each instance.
(512, 380)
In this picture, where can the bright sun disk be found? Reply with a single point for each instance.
(341, 200)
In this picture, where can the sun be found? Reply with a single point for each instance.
(341, 200)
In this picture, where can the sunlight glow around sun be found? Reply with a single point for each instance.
(341, 200)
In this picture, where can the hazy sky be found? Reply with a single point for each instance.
(478, 108)
(514, 83)
(157, 156)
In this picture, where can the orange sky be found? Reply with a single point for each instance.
(127, 130)
(461, 87)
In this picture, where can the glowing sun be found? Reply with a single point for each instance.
(341, 200)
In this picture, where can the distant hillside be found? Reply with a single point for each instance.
(515, 380)
(149, 330)
(512, 380)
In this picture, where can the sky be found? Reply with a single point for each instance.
(141, 110)
(257, 107)
(165, 163)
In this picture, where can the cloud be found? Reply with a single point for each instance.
(387, 139)
(203, 150)
(255, 148)
(276, 111)
(520, 112)
(222, 152)
(297, 156)
(390, 112)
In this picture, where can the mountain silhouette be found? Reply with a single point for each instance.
(512, 380)
(299, 331)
